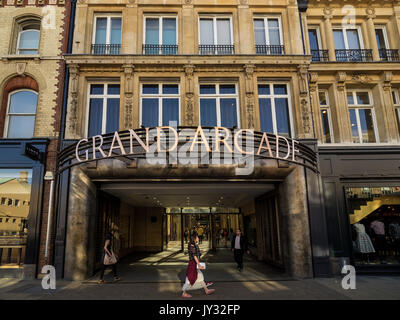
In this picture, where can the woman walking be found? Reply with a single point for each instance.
(108, 251)
(194, 277)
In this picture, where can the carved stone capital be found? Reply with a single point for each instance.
(387, 80)
(341, 80)
(370, 13)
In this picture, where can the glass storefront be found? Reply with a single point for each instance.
(15, 200)
(374, 214)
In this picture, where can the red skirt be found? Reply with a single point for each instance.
(191, 272)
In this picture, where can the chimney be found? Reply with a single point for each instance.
(23, 176)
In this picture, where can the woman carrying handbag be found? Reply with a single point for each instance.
(108, 259)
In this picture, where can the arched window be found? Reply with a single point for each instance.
(21, 114)
(28, 37)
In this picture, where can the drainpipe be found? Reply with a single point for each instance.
(66, 79)
(49, 177)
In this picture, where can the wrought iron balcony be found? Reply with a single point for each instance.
(106, 49)
(216, 49)
(353, 55)
(389, 54)
(320, 55)
(156, 49)
(270, 50)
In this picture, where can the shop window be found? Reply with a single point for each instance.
(396, 103)
(15, 185)
(104, 104)
(27, 36)
(326, 121)
(219, 105)
(275, 109)
(268, 35)
(107, 34)
(216, 35)
(362, 116)
(374, 215)
(160, 35)
(160, 104)
(21, 114)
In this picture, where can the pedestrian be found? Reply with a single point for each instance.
(194, 277)
(186, 235)
(200, 231)
(107, 257)
(226, 238)
(239, 246)
(230, 235)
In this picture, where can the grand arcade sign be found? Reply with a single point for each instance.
(188, 145)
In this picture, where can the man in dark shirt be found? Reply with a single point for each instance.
(239, 246)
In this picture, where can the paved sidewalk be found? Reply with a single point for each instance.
(368, 287)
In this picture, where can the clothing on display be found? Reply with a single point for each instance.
(364, 242)
(394, 231)
(378, 227)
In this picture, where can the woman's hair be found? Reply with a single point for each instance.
(193, 237)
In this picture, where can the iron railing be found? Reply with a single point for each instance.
(106, 49)
(320, 55)
(221, 49)
(389, 54)
(270, 50)
(353, 55)
(156, 49)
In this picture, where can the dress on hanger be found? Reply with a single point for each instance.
(364, 242)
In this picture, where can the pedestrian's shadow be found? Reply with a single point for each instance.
(182, 275)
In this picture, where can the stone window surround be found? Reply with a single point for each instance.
(18, 24)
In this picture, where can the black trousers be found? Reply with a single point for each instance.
(238, 254)
(103, 268)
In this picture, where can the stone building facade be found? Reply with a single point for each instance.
(33, 37)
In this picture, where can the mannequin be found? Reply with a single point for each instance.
(380, 239)
(364, 242)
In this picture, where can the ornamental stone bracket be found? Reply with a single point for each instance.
(189, 99)
(73, 120)
(313, 81)
(341, 80)
(387, 80)
(361, 78)
(128, 93)
(249, 84)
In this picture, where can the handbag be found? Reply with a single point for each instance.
(109, 260)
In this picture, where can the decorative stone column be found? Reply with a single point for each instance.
(80, 249)
(249, 72)
(342, 109)
(73, 104)
(295, 229)
(371, 33)
(128, 94)
(305, 131)
(189, 98)
(314, 96)
(388, 108)
(329, 34)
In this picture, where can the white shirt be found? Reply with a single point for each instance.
(237, 242)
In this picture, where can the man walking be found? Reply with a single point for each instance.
(239, 246)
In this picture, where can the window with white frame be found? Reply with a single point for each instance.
(107, 34)
(160, 35)
(103, 110)
(275, 108)
(160, 104)
(326, 123)
(268, 35)
(314, 38)
(396, 103)
(215, 35)
(362, 116)
(21, 114)
(219, 105)
(349, 44)
(28, 37)
(382, 42)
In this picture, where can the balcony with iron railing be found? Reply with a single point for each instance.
(106, 49)
(320, 55)
(270, 49)
(389, 55)
(354, 55)
(163, 49)
(221, 49)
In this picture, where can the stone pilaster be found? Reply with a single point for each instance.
(73, 104)
(329, 33)
(189, 98)
(128, 95)
(249, 72)
(371, 33)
